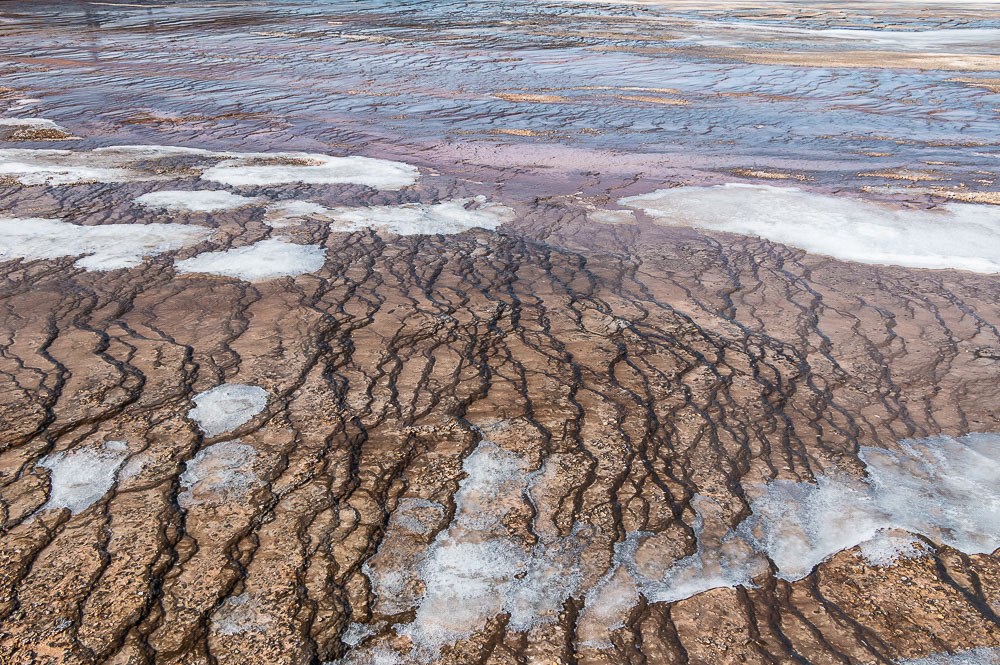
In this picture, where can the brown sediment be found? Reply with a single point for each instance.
(993, 85)
(281, 161)
(953, 193)
(911, 175)
(146, 118)
(653, 100)
(373, 93)
(507, 131)
(36, 134)
(770, 175)
(526, 97)
(665, 91)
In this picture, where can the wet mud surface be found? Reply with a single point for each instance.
(412, 378)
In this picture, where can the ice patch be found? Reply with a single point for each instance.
(981, 656)
(943, 488)
(957, 235)
(130, 164)
(133, 468)
(468, 565)
(218, 474)
(324, 170)
(226, 407)
(376, 656)
(419, 218)
(465, 587)
(79, 478)
(104, 247)
(195, 201)
(261, 261)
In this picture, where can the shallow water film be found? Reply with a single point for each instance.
(501, 333)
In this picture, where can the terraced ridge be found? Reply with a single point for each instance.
(622, 381)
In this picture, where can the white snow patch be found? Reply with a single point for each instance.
(195, 201)
(943, 488)
(464, 588)
(34, 123)
(240, 615)
(611, 216)
(418, 516)
(217, 474)
(722, 559)
(957, 235)
(355, 633)
(887, 548)
(79, 478)
(927, 40)
(133, 468)
(68, 167)
(226, 407)
(468, 565)
(19, 104)
(981, 656)
(419, 218)
(324, 170)
(104, 247)
(606, 606)
(285, 213)
(939, 39)
(473, 570)
(125, 164)
(264, 260)
(374, 656)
